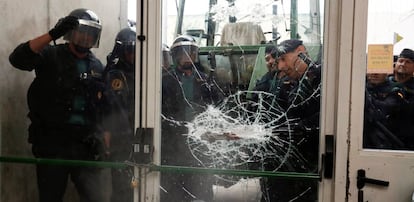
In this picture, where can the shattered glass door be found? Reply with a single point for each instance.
(241, 85)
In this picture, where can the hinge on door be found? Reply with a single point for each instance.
(143, 145)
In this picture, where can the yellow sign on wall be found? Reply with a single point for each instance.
(380, 58)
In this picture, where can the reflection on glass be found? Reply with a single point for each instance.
(388, 113)
(240, 95)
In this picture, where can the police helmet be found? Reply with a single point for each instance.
(184, 46)
(126, 39)
(88, 32)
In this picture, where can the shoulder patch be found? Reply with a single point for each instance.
(117, 84)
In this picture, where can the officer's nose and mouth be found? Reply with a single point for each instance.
(186, 63)
(281, 65)
(285, 68)
(186, 60)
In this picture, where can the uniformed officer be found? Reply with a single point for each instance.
(65, 104)
(383, 100)
(119, 120)
(403, 71)
(402, 123)
(270, 80)
(186, 91)
(299, 96)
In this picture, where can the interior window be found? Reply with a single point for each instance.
(388, 117)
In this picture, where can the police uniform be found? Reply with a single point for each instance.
(119, 120)
(300, 99)
(184, 96)
(401, 121)
(64, 100)
(120, 95)
(382, 102)
(270, 82)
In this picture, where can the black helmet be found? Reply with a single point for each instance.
(126, 39)
(184, 46)
(88, 33)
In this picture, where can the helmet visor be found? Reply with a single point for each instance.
(87, 34)
(127, 46)
(185, 52)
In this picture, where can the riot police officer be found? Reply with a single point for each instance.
(383, 101)
(119, 120)
(65, 105)
(402, 123)
(298, 94)
(186, 91)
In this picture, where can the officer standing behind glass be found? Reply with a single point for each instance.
(402, 123)
(64, 100)
(119, 120)
(265, 82)
(383, 99)
(186, 91)
(299, 95)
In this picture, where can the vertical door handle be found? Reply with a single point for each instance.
(327, 158)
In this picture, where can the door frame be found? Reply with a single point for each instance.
(345, 62)
(336, 49)
(148, 95)
(335, 98)
(379, 164)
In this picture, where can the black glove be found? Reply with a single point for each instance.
(63, 26)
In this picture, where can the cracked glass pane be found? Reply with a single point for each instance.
(241, 87)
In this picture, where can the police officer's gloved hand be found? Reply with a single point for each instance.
(63, 26)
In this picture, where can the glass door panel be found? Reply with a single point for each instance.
(389, 79)
(240, 100)
(380, 140)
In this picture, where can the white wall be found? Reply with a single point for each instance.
(22, 21)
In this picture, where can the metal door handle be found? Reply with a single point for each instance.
(362, 179)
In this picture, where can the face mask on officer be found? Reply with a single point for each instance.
(184, 52)
(185, 56)
(85, 36)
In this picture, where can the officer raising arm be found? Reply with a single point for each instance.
(298, 93)
(64, 102)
